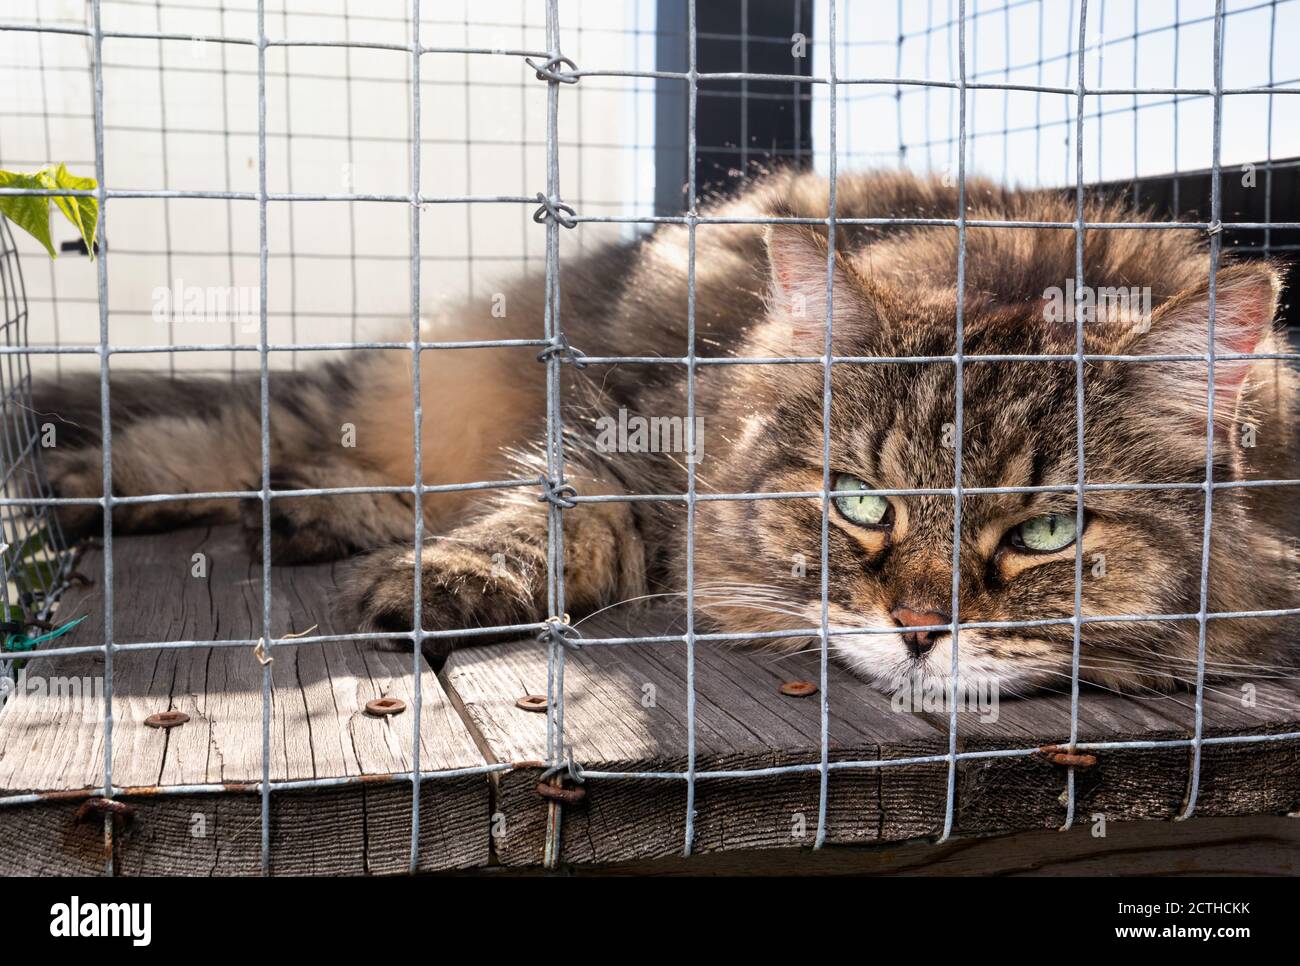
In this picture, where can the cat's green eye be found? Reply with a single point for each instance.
(1046, 534)
(866, 511)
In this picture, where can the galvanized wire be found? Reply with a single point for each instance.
(554, 71)
(1216, 242)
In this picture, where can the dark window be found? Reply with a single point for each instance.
(742, 126)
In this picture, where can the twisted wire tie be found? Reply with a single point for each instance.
(556, 495)
(550, 209)
(569, 767)
(557, 631)
(547, 71)
(560, 347)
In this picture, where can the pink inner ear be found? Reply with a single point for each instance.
(787, 275)
(1245, 302)
(1243, 314)
(798, 264)
(1239, 335)
(797, 306)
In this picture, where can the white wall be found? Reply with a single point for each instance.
(183, 115)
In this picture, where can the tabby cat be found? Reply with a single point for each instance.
(761, 292)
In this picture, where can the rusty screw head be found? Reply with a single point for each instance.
(558, 793)
(1058, 755)
(798, 689)
(94, 808)
(385, 707)
(531, 702)
(166, 719)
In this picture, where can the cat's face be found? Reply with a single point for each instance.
(893, 427)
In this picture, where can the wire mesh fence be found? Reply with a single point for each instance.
(34, 556)
(543, 55)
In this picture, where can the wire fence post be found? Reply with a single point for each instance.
(1081, 475)
(959, 340)
(1215, 232)
(417, 441)
(828, 349)
(264, 415)
(554, 484)
(692, 221)
(106, 428)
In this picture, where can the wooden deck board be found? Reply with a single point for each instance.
(319, 728)
(743, 722)
(625, 711)
(998, 795)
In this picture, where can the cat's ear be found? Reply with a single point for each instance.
(797, 303)
(1245, 303)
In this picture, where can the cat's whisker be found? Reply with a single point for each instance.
(783, 655)
(625, 601)
(1217, 670)
(1152, 692)
(705, 599)
(1155, 693)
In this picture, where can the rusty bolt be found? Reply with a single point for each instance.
(798, 689)
(557, 793)
(385, 707)
(166, 719)
(531, 702)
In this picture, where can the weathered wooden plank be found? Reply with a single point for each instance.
(1007, 794)
(625, 710)
(355, 830)
(998, 795)
(319, 730)
(1250, 778)
(743, 723)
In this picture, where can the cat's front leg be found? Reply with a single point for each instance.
(314, 529)
(491, 571)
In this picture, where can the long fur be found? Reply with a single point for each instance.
(761, 292)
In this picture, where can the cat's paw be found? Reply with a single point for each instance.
(460, 590)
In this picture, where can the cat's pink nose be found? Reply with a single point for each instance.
(919, 642)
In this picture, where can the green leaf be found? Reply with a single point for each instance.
(32, 212)
(81, 210)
